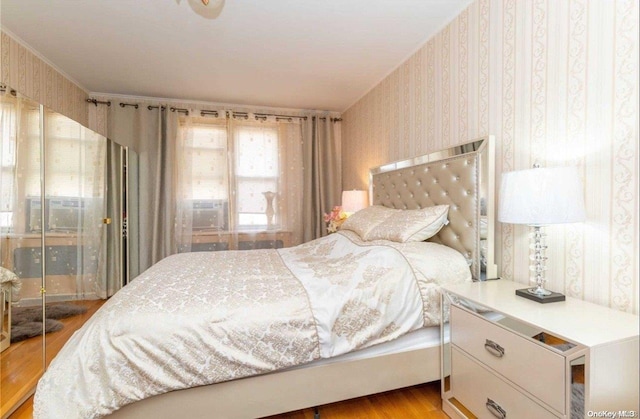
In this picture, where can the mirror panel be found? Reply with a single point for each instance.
(21, 359)
(121, 213)
(57, 224)
(577, 383)
(74, 229)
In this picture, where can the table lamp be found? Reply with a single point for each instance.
(538, 197)
(353, 201)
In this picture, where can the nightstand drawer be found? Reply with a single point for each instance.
(486, 395)
(536, 369)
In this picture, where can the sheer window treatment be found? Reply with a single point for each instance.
(239, 183)
(224, 183)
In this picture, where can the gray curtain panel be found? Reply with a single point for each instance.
(151, 135)
(156, 210)
(322, 174)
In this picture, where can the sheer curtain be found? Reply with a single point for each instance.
(239, 183)
(20, 186)
(8, 155)
(202, 182)
(225, 180)
(13, 213)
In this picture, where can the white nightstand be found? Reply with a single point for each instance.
(514, 358)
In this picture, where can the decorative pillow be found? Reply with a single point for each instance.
(6, 276)
(367, 219)
(411, 225)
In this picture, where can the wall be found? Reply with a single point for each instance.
(27, 73)
(555, 81)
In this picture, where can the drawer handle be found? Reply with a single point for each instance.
(493, 348)
(495, 409)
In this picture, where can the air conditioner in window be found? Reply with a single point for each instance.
(34, 214)
(61, 213)
(210, 214)
(65, 214)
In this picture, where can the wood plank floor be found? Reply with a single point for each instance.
(21, 363)
(418, 402)
(422, 401)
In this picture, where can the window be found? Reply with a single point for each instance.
(257, 170)
(206, 155)
(7, 162)
(234, 186)
(74, 159)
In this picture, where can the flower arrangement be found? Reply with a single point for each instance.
(334, 219)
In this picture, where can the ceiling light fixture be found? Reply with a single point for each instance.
(209, 9)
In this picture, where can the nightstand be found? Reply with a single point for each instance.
(511, 357)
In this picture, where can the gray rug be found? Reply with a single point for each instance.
(26, 322)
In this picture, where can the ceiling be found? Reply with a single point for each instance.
(278, 53)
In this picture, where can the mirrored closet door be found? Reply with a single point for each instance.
(61, 236)
(22, 356)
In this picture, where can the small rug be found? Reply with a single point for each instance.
(26, 322)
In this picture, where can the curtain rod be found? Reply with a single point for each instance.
(3, 88)
(203, 112)
(180, 110)
(96, 102)
(262, 116)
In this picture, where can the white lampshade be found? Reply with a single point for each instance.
(353, 201)
(541, 196)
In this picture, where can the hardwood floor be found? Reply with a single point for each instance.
(422, 401)
(21, 363)
(418, 402)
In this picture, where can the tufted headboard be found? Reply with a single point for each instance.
(460, 177)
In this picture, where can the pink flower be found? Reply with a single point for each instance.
(334, 219)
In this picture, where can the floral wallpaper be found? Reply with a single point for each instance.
(555, 82)
(25, 72)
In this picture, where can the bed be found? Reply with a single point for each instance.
(10, 286)
(340, 317)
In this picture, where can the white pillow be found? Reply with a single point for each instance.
(367, 219)
(7, 276)
(410, 225)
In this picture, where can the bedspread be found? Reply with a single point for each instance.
(11, 280)
(201, 318)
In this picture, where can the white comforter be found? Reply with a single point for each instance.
(201, 318)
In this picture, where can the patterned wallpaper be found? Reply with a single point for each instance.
(25, 72)
(555, 81)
